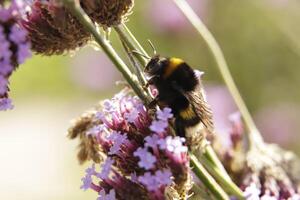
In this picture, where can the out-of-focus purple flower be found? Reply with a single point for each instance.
(93, 70)
(170, 18)
(278, 123)
(6, 104)
(14, 48)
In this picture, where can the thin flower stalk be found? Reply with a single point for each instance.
(228, 185)
(207, 179)
(254, 137)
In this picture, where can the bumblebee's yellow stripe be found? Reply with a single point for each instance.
(188, 113)
(173, 65)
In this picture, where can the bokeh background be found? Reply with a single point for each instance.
(260, 39)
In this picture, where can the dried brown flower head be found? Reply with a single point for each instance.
(108, 13)
(88, 147)
(53, 30)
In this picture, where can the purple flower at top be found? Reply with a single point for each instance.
(106, 168)
(158, 126)
(6, 104)
(110, 196)
(149, 181)
(174, 145)
(164, 177)
(5, 14)
(23, 52)
(117, 139)
(147, 160)
(17, 35)
(151, 141)
(164, 114)
(5, 68)
(3, 85)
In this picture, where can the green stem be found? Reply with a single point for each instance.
(210, 154)
(207, 179)
(134, 63)
(135, 41)
(83, 18)
(254, 136)
(131, 42)
(228, 185)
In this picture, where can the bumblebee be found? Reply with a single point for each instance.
(180, 88)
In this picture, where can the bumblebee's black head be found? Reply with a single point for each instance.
(155, 65)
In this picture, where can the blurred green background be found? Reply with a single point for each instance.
(260, 39)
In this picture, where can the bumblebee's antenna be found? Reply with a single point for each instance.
(152, 46)
(141, 54)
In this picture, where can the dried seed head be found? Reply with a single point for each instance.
(88, 146)
(53, 30)
(108, 13)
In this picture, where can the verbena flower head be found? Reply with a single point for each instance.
(264, 172)
(108, 13)
(14, 48)
(53, 29)
(140, 159)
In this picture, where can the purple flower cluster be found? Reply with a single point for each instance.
(14, 48)
(261, 172)
(142, 159)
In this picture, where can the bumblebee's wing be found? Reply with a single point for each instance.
(203, 110)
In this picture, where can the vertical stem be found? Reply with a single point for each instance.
(207, 180)
(254, 136)
(136, 65)
(210, 155)
(228, 185)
